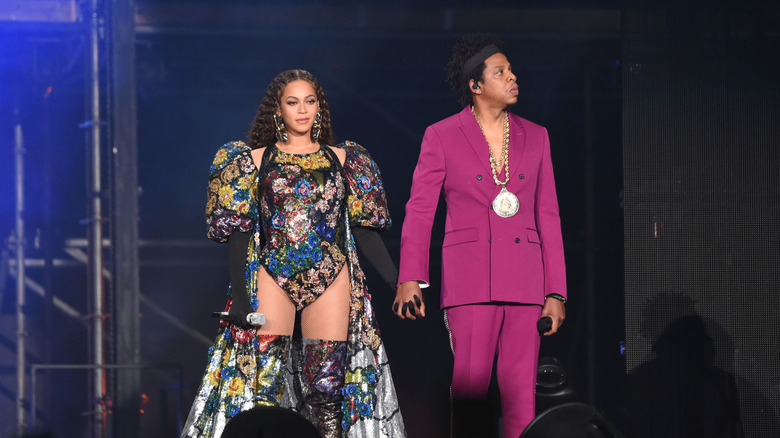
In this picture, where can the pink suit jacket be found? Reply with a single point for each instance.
(485, 258)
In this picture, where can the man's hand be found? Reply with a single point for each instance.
(409, 301)
(556, 311)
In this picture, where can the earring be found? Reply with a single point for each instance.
(316, 129)
(281, 131)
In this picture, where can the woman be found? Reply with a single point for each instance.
(291, 209)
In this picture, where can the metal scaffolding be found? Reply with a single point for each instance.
(107, 27)
(19, 240)
(96, 286)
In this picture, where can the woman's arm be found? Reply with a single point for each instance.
(373, 248)
(238, 242)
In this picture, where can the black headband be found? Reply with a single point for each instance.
(477, 59)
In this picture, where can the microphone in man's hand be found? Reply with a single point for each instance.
(254, 318)
(544, 325)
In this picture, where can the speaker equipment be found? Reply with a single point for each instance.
(553, 384)
(570, 420)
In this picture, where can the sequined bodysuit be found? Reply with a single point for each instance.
(302, 217)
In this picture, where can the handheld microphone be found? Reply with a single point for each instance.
(253, 318)
(544, 325)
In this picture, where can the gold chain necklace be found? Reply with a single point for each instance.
(505, 204)
(494, 165)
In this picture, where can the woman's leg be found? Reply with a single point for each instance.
(324, 325)
(277, 307)
(327, 317)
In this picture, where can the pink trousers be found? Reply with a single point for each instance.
(479, 332)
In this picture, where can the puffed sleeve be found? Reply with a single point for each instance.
(366, 200)
(232, 192)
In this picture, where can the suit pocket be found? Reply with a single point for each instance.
(533, 236)
(461, 235)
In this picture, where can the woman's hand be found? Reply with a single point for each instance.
(409, 301)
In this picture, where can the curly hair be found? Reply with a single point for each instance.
(464, 49)
(263, 130)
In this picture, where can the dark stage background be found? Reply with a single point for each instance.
(701, 147)
(696, 85)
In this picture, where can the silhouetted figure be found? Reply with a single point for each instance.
(680, 393)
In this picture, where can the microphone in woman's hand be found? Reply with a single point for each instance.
(544, 325)
(254, 318)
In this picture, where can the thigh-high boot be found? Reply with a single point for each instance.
(323, 373)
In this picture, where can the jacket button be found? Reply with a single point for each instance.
(517, 240)
(479, 177)
(522, 176)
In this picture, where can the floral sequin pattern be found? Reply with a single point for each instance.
(323, 366)
(359, 395)
(244, 370)
(367, 203)
(231, 192)
(301, 212)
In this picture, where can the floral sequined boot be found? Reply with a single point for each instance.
(323, 373)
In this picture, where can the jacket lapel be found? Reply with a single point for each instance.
(470, 129)
(516, 147)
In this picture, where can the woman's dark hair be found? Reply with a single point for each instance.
(464, 49)
(263, 130)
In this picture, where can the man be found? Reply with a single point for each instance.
(502, 256)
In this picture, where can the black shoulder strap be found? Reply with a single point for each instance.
(267, 155)
(333, 158)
